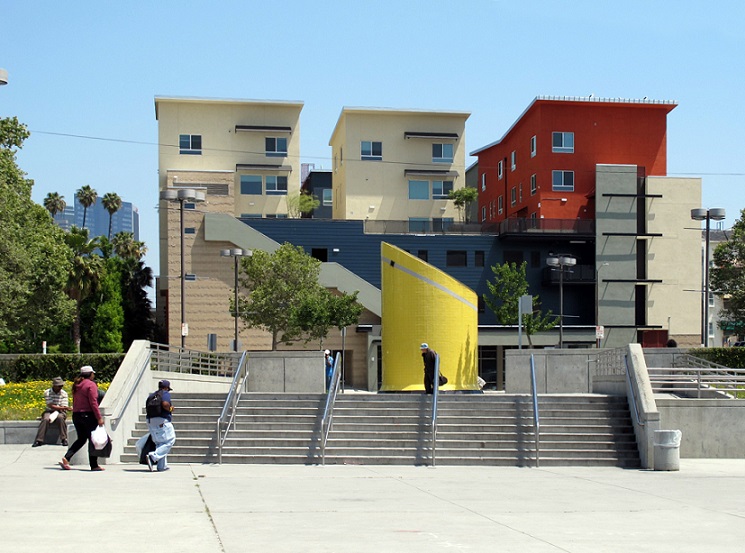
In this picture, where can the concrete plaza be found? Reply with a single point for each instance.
(360, 509)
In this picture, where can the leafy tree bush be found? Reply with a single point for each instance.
(22, 368)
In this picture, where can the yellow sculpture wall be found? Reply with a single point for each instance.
(423, 304)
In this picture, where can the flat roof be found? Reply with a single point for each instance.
(239, 101)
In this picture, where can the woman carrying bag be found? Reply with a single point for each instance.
(85, 415)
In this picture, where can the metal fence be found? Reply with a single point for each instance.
(177, 360)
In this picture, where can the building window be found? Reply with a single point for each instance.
(442, 153)
(190, 144)
(328, 197)
(276, 185)
(441, 189)
(371, 150)
(562, 142)
(513, 160)
(478, 258)
(533, 146)
(513, 197)
(483, 213)
(500, 169)
(442, 224)
(418, 224)
(520, 192)
(423, 255)
(250, 215)
(456, 258)
(562, 181)
(190, 206)
(418, 190)
(533, 184)
(483, 182)
(251, 184)
(190, 230)
(500, 205)
(276, 147)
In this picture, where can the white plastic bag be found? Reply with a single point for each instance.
(99, 437)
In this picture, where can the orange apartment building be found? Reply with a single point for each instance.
(544, 167)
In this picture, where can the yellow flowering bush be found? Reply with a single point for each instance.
(25, 400)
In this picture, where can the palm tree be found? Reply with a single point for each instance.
(84, 274)
(126, 247)
(111, 203)
(54, 203)
(87, 197)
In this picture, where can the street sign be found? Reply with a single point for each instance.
(599, 332)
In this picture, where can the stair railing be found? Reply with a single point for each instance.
(231, 402)
(435, 389)
(328, 412)
(536, 417)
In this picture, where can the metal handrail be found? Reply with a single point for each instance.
(717, 379)
(328, 412)
(632, 396)
(231, 401)
(536, 416)
(115, 420)
(435, 393)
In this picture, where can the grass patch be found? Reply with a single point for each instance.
(24, 401)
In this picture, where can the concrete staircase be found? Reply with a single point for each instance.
(375, 429)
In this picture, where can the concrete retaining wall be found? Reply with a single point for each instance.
(286, 371)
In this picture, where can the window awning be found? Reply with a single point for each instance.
(263, 167)
(429, 173)
(440, 135)
(262, 128)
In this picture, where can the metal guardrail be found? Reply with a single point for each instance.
(231, 402)
(328, 412)
(610, 362)
(177, 360)
(435, 394)
(536, 416)
(712, 381)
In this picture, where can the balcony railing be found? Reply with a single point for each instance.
(428, 227)
(578, 274)
(522, 225)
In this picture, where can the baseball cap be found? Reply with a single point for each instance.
(87, 369)
(424, 346)
(327, 352)
(165, 384)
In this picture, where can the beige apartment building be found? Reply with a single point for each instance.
(398, 165)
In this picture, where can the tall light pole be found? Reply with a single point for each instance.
(561, 261)
(182, 196)
(236, 254)
(701, 214)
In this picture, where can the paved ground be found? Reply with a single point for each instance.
(356, 509)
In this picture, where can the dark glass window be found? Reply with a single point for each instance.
(478, 259)
(456, 258)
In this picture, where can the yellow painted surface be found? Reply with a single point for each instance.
(423, 304)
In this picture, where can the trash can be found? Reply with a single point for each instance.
(667, 449)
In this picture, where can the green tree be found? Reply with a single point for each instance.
(509, 284)
(102, 313)
(111, 203)
(317, 314)
(83, 275)
(728, 277)
(276, 285)
(87, 197)
(54, 203)
(34, 260)
(300, 203)
(462, 199)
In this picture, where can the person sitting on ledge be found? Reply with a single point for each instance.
(55, 412)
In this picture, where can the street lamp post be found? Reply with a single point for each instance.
(701, 214)
(182, 196)
(561, 261)
(236, 253)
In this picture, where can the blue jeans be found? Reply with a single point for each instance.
(164, 437)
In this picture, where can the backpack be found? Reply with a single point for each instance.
(154, 405)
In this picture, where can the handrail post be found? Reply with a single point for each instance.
(536, 417)
(328, 411)
(435, 393)
(231, 402)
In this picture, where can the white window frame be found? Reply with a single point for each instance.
(533, 145)
(483, 182)
(533, 184)
(500, 169)
(371, 156)
(443, 158)
(513, 160)
(328, 197)
(565, 138)
(500, 205)
(275, 190)
(513, 197)
(191, 150)
(563, 187)
(442, 195)
(483, 213)
(273, 149)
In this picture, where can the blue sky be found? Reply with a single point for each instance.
(91, 69)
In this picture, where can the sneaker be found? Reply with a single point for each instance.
(37, 444)
(64, 443)
(165, 469)
(64, 463)
(149, 462)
